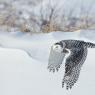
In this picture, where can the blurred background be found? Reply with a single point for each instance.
(36, 16)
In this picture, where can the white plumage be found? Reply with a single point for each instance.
(76, 52)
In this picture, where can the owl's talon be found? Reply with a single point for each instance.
(67, 87)
(53, 70)
(57, 69)
(70, 87)
(62, 84)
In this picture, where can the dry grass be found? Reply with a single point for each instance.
(9, 19)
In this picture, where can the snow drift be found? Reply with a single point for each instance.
(24, 75)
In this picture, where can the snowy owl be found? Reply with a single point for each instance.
(77, 53)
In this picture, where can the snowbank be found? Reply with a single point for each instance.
(34, 44)
(89, 34)
(24, 75)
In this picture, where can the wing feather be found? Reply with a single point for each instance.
(73, 66)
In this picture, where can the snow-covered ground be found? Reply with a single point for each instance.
(24, 75)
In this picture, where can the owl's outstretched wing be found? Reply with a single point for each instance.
(55, 60)
(73, 66)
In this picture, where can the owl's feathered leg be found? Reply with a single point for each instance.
(55, 60)
(73, 66)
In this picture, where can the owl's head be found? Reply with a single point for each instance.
(58, 47)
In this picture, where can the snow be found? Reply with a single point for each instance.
(88, 34)
(24, 75)
(33, 44)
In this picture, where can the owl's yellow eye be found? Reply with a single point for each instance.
(57, 48)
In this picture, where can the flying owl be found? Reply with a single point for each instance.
(77, 53)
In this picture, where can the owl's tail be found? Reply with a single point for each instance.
(90, 45)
